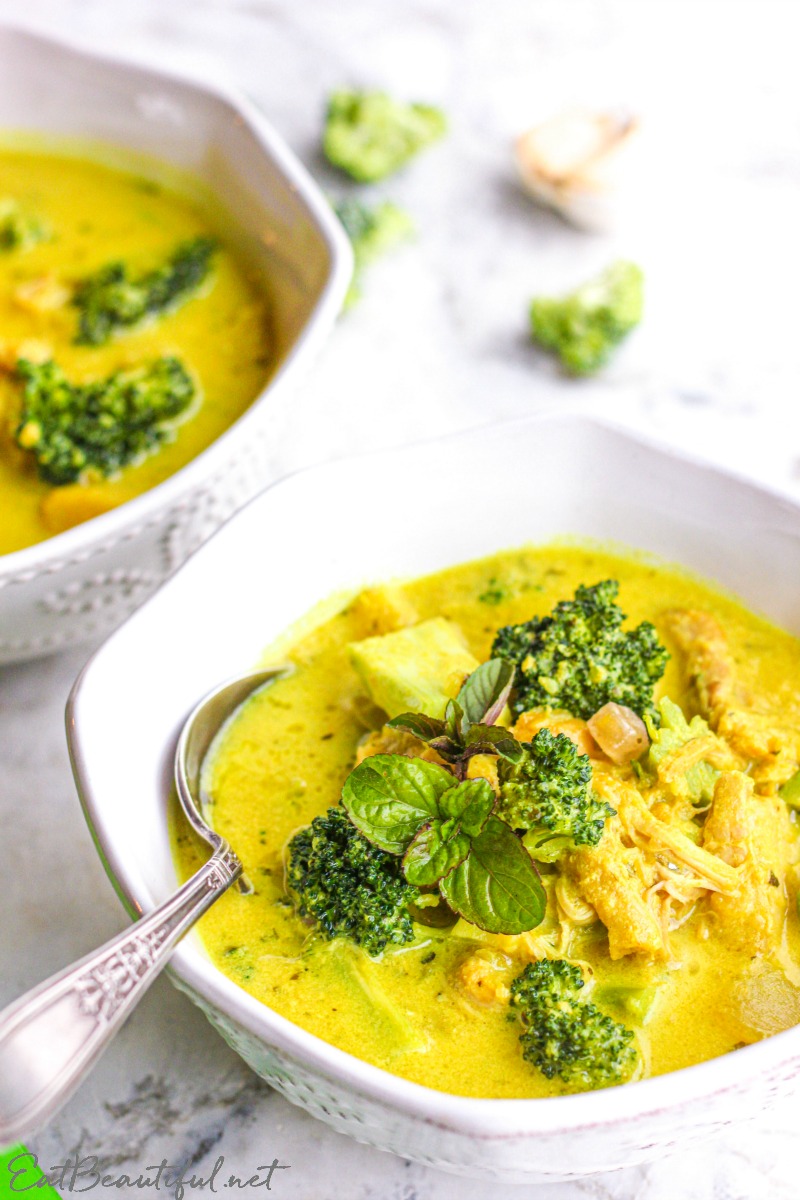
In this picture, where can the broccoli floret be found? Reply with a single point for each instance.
(369, 135)
(19, 230)
(111, 300)
(372, 231)
(549, 793)
(566, 1036)
(579, 657)
(350, 887)
(583, 327)
(82, 430)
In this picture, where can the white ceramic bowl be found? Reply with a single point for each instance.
(85, 580)
(370, 519)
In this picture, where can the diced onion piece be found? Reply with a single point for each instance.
(619, 732)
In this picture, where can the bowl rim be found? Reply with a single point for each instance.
(92, 537)
(483, 1119)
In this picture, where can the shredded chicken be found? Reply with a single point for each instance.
(753, 834)
(614, 878)
(730, 708)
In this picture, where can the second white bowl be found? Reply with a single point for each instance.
(86, 580)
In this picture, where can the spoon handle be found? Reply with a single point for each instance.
(50, 1037)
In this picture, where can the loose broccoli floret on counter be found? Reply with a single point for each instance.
(548, 792)
(372, 231)
(583, 327)
(369, 135)
(565, 1036)
(79, 431)
(579, 657)
(19, 230)
(111, 300)
(350, 887)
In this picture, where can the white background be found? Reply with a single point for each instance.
(439, 342)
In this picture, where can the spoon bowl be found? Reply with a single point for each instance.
(51, 1036)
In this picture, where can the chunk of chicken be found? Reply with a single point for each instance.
(708, 659)
(753, 834)
(64, 507)
(484, 977)
(614, 879)
(382, 610)
(728, 706)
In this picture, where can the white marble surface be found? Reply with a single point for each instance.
(438, 343)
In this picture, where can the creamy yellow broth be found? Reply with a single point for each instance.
(222, 334)
(283, 760)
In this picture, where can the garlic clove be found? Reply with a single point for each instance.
(580, 164)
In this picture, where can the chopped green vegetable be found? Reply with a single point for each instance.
(548, 792)
(671, 733)
(19, 230)
(565, 1036)
(634, 1002)
(369, 135)
(77, 430)
(110, 300)
(420, 667)
(372, 231)
(790, 792)
(579, 657)
(351, 888)
(583, 327)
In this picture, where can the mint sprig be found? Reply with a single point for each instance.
(468, 727)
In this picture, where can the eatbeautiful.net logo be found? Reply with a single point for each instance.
(26, 1175)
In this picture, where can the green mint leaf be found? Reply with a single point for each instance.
(496, 887)
(435, 851)
(493, 739)
(447, 749)
(454, 721)
(485, 693)
(470, 803)
(388, 797)
(421, 726)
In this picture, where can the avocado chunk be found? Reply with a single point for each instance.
(417, 669)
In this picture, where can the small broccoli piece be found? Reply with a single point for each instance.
(372, 231)
(77, 431)
(579, 657)
(111, 300)
(549, 793)
(566, 1036)
(583, 327)
(672, 732)
(19, 230)
(350, 887)
(369, 135)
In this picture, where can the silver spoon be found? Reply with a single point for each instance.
(51, 1036)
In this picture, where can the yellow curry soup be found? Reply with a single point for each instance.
(723, 969)
(94, 215)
